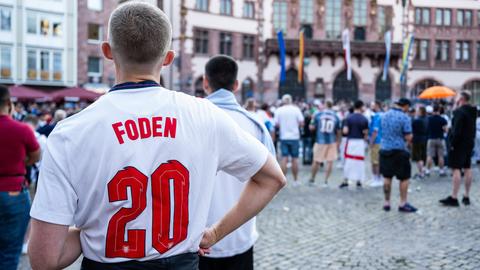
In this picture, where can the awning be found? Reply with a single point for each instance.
(24, 93)
(75, 94)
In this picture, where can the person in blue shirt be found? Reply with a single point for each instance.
(326, 124)
(375, 135)
(394, 154)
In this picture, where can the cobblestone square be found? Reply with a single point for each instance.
(327, 228)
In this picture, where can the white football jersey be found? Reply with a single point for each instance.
(135, 172)
(226, 193)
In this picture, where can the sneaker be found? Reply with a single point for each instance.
(359, 184)
(311, 183)
(344, 185)
(386, 208)
(407, 208)
(376, 183)
(295, 184)
(449, 201)
(442, 173)
(427, 173)
(325, 184)
(466, 200)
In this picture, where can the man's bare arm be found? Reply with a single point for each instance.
(32, 157)
(53, 246)
(258, 192)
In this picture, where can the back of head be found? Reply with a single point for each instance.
(250, 104)
(59, 115)
(287, 99)
(422, 111)
(140, 34)
(329, 104)
(32, 120)
(466, 96)
(4, 96)
(436, 108)
(358, 105)
(221, 72)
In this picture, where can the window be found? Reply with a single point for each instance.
(201, 41)
(226, 7)
(5, 19)
(248, 47)
(57, 66)
(31, 23)
(226, 43)
(249, 10)
(306, 11)
(280, 16)
(5, 62)
(478, 54)
(439, 17)
(44, 65)
(96, 5)
(334, 19)
(468, 18)
(442, 50)
(360, 12)
(462, 51)
(422, 16)
(94, 66)
(381, 21)
(478, 18)
(460, 17)
(32, 65)
(422, 50)
(202, 5)
(447, 17)
(474, 88)
(94, 32)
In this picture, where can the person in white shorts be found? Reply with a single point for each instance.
(135, 171)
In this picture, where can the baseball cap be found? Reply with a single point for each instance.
(403, 102)
(429, 109)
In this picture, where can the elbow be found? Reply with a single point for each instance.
(39, 260)
(281, 182)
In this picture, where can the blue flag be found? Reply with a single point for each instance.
(281, 46)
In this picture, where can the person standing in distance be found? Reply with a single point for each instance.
(289, 119)
(143, 201)
(437, 126)
(375, 137)
(394, 155)
(327, 127)
(18, 148)
(461, 140)
(356, 129)
(236, 250)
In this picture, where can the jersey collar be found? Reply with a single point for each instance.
(134, 85)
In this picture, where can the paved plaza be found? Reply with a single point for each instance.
(328, 228)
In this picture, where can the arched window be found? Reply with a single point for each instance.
(474, 88)
(383, 89)
(247, 89)
(343, 89)
(422, 85)
(292, 87)
(199, 92)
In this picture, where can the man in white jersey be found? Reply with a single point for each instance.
(289, 119)
(134, 172)
(236, 250)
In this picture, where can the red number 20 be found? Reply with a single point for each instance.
(170, 187)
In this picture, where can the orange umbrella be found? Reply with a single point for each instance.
(436, 92)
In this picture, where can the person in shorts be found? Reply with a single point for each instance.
(461, 140)
(289, 119)
(327, 127)
(437, 126)
(419, 141)
(394, 155)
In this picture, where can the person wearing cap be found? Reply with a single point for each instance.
(394, 154)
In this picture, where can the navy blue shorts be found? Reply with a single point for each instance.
(290, 148)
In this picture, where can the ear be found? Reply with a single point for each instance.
(107, 50)
(206, 86)
(235, 86)
(169, 57)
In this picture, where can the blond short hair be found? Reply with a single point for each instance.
(139, 33)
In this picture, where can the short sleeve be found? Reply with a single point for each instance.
(55, 201)
(240, 154)
(407, 125)
(31, 143)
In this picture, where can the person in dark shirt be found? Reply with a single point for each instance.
(356, 129)
(47, 129)
(461, 141)
(419, 141)
(437, 126)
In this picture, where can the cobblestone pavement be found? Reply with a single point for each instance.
(328, 228)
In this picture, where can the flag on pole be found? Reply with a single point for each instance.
(388, 46)
(347, 52)
(302, 56)
(407, 48)
(281, 46)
